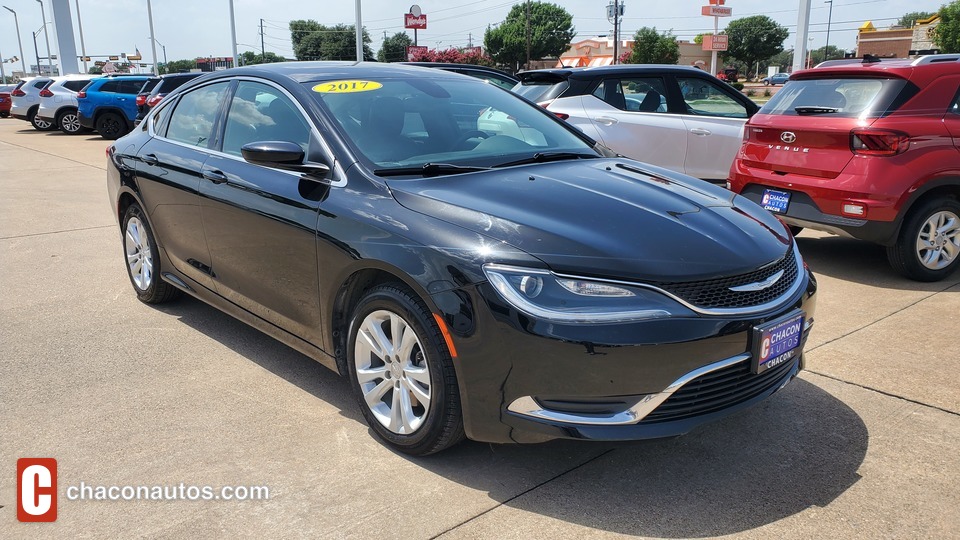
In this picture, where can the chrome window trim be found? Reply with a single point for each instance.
(751, 310)
(527, 406)
(339, 176)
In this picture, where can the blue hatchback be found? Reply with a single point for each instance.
(109, 104)
(776, 78)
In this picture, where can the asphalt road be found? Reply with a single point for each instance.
(864, 444)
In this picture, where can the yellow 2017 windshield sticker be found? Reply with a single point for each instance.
(346, 87)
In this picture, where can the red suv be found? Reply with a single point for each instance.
(867, 150)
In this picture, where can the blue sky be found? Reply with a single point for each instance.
(192, 28)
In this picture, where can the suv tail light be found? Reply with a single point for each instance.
(18, 93)
(546, 105)
(81, 94)
(46, 93)
(141, 99)
(878, 142)
(152, 102)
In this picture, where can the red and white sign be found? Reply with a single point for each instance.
(36, 489)
(473, 50)
(416, 22)
(715, 43)
(716, 11)
(413, 50)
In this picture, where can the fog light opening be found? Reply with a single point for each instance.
(854, 209)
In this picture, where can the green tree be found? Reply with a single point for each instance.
(314, 41)
(394, 48)
(652, 47)
(947, 34)
(754, 39)
(909, 19)
(95, 70)
(249, 58)
(551, 30)
(698, 39)
(178, 66)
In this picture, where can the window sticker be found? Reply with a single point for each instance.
(346, 87)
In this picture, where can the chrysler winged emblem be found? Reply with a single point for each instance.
(760, 285)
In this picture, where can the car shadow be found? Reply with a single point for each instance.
(860, 262)
(801, 448)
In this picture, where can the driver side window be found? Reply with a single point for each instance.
(705, 98)
(635, 94)
(259, 112)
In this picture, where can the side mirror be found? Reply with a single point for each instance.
(284, 155)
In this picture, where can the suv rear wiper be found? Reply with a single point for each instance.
(815, 110)
(543, 157)
(429, 169)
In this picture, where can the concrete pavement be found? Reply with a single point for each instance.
(862, 445)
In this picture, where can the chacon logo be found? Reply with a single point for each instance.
(760, 285)
(36, 489)
(788, 137)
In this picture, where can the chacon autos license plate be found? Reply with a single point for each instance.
(775, 201)
(777, 342)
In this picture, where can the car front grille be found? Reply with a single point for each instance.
(718, 390)
(716, 293)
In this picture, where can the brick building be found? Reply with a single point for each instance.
(897, 42)
(599, 52)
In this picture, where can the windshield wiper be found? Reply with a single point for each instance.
(543, 157)
(429, 169)
(815, 110)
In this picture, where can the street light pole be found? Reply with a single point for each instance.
(23, 59)
(3, 75)
(83, 48)
(359, 33)
(233, 35)
(826, 48)
(46, 36)
(36, 51)
(153, 40)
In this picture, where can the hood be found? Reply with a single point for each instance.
(609, 218)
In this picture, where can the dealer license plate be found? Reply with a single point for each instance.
(775, 201)
(777, 342)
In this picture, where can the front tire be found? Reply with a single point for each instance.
(401, 372)
(111, 126)
(69, 122)
(928, 247)
(143, 259)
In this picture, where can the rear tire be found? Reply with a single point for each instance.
(37, 123)
(928, 247)
(69, 122)
(405, 384)
(143, 259)
(111, 126)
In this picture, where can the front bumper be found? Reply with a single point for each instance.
(525, 380)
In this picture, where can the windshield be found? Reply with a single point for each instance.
(411, 122)
(836, 97)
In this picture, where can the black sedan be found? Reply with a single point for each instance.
(474, 266)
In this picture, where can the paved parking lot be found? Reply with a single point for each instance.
(862, 445)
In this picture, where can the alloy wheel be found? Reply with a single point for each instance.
(70, 123)
(41, 124)
(139, 257)
(393, 373)
(938, 243)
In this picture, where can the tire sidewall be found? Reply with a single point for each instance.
(62, 116)
(437, 358)
(110, 116)
(34, 120)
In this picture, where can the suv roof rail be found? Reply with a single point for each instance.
(935, 58)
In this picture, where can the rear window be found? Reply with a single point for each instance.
(170, 84)
(75, 86)
(846, 98)
(540, 91)
(149, 85)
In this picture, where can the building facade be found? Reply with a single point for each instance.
(897, 42)
(599, 52)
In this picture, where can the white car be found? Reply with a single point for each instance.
(676, 117)
(58, 102)
(26, 102)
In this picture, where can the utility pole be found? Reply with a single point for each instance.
(803, 27)
(470, 39)
(46, 36)
(826, 47)
(359, 33)
(153, 39)
(233, 36)
(263, 49)
(3, 76)
(528, 35)
(616, 30)
(83, 48)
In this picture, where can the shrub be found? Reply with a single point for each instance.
(767, 92)
(751, 92)
(737, 85)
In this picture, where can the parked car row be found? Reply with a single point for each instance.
(107, 104)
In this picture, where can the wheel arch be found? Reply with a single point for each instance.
(102, 110)
(943, 186)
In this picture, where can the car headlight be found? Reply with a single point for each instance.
(545, 295)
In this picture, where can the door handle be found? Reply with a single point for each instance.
(217, 177)
(606, 120)
(700, 131)
(149, 159)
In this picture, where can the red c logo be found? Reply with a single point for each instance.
(36, 489)
(765, 348)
